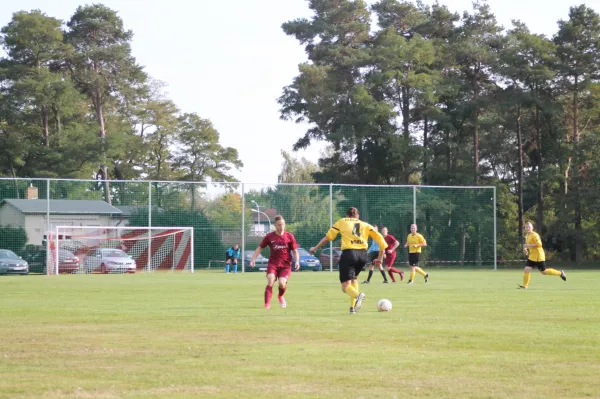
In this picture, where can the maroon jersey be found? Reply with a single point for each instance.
(280, 248)
(390, 240)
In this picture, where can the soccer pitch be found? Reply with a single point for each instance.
(464, 334)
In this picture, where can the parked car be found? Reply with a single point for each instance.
(324, 257)
(67, 261)
(260, 261)
(10, 263)
(307, 261)
(108, 260)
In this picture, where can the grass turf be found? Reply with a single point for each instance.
(465, 334)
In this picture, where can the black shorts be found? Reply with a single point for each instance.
(372, 256)
(233, 260)
(413, 258)
(351, 263)
(541, 266)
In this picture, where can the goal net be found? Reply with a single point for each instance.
(110, 249)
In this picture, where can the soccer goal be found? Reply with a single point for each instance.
(116, 249)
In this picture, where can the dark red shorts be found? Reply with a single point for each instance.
(280, 271)
(389, 259)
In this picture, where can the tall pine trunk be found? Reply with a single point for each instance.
(520, 173)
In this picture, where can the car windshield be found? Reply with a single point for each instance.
(114, 253)
(64, 254)
(248, 254)
(303, 252)
(6, 254)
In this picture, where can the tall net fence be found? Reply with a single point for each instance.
(458, 222)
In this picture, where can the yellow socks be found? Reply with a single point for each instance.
(526, 278)
(411, 276)
(552, 272)
(420, 271)
(352, 293)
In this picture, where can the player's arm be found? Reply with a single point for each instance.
(394, 246)
(330, 236)
(423, 242)
(406, 243)
(259, 249)
(536, 244)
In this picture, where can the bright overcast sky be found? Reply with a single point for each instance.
(229, 60)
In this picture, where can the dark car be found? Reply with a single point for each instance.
(10, 263)
(260, 261)
(67, 261)
(307, 261)
(325, 256)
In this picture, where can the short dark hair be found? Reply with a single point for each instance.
(352, 213)
(278, 218)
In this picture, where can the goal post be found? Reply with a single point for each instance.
(119, 249)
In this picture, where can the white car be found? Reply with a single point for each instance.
(108, 260)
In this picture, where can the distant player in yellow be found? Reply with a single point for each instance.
(537, 257)
(355, 236)
(414, 243)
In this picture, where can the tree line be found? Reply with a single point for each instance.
(74, 103)
(407, 93)
(402, 92)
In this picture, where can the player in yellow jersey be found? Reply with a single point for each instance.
(355, 236)
(414, 242)
(537, 257)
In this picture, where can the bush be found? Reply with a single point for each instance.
(13, 238)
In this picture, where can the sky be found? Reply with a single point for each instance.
(228, 61)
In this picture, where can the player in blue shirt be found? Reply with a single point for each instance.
(231, 257)
(372, 254)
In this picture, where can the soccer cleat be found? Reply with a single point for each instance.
(282, 302)
(352, 311)
(409, 282)
(366, 282)
(385, 282)
(267, 306)
(401, 276)
(563, 275)
(521, 287)
(359, 301)
(426, 277)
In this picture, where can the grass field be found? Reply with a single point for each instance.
(465, 334)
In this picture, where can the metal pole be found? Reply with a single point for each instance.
(149, 226)
(414, 204)
(56, 251)
(495, 234)
(192, 249)
(242, 229)
(331, 224)
(47, 229)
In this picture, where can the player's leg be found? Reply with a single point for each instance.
(371, 267)
(382, 271)
(271, 276)
(360, 262)
(526, 275)
(391, 269)
(283, 275)
(234, 265)
(550, 271)
(347, 274)
(227, 264)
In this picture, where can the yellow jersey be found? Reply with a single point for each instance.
(355, 234)
(413, 239)
(536, 254)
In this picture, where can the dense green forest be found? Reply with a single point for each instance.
(403, 93)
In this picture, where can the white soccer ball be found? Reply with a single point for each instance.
(384, 305)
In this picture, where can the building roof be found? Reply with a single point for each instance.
(73, 207)
(128, 210)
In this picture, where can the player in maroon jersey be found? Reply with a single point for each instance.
(390, 254)
(279, 266)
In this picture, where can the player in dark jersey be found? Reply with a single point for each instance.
(355, 235)
(279, 266)
(390, 254)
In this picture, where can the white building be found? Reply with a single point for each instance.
(32, 215)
